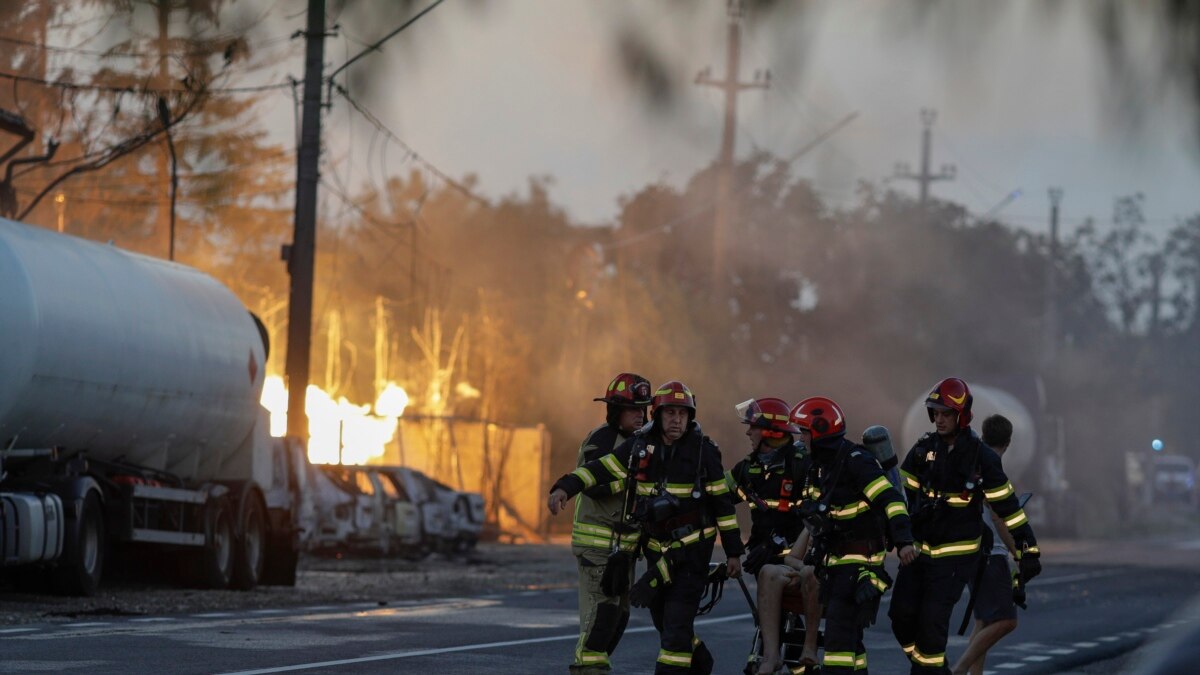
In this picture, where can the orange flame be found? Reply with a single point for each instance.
(339, 430)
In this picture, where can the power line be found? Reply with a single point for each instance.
(385, 38)
(131, 89)
(407, 148)
(110, 53)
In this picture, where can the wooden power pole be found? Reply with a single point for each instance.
(731, 86)
(925, 178)
(301, 254)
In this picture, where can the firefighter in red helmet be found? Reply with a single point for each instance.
(602, 543)
(768, 479)
(854, 515)
(676, 496)
(948, 476)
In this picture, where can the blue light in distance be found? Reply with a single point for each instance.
(1157, 445)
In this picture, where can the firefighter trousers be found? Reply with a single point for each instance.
(674, 616)
(844, 650)
(922, 600)
(602, 619)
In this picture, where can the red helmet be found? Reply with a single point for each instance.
(768, 414)
(951, 394)
(674, 393)
(627, 390)
(819, 416)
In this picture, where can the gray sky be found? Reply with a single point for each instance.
(505, 90)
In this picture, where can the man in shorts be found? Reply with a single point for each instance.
(995, 611)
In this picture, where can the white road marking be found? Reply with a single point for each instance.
(1011, 666)
(213, 615)
(1037, 659)
(87, 625)
(1110, 638)
(268, 611)
(23, 630)
(152, 619)
(1086, 645)
(464, 648)
(1061, 652)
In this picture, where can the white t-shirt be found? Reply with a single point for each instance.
(998, 547)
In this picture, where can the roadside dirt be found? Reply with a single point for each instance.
(491, 568)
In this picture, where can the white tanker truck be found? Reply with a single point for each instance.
(130, 414)
(1033, 461)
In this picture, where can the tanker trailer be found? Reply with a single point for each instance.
(129, 413)
(1034, 459)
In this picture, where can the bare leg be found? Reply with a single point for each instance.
(771, 581)
(812, 614)
(983, 638)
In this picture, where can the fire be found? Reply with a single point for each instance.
(339, 430)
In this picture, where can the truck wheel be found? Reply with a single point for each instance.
(216, 559)
(82, 562)
(251, 543)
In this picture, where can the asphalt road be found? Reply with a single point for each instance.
(1079, 614)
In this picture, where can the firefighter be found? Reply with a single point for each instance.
(854, 514)
(599, 534)
(769, 480)
(677, 495)
(948, 475)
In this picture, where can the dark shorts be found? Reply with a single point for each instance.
(995, 600)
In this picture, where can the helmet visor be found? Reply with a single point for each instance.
(748, 412)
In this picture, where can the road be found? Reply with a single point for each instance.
(1086, 607)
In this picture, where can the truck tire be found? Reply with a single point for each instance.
(216, 559)
(251, 542)
(82, 563)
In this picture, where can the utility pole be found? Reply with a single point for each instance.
(731, 86)
(301, 253)
(166, 202)
(1051, 319)
(925, 178)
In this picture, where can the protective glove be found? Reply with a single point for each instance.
(872, 582)
(1019, 596)
(617, 570)
(643, 593)
(1030, 565)
(763, 554)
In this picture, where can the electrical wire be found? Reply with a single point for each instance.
(412, 154)
(375, 46)
(144, 91)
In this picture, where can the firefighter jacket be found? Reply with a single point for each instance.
(775, 484)
(946, 489)
(690, 472)
(599, 511)
(864, 510)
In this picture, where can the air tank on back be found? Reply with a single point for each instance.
(988, 401)
(129, 357)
